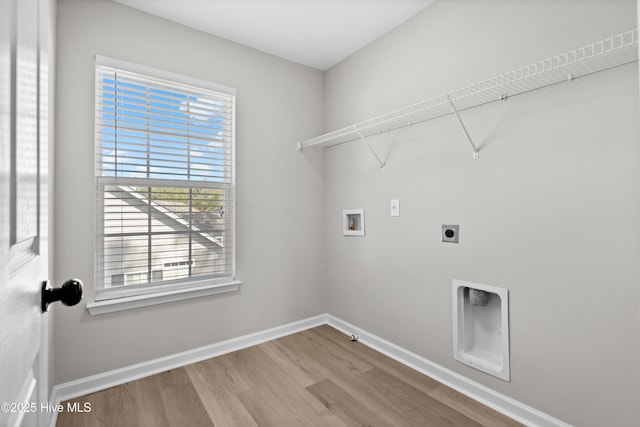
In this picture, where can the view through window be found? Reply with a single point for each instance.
(164, 181)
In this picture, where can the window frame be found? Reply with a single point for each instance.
(131, 296)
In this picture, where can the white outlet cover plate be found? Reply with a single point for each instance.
(395, 207)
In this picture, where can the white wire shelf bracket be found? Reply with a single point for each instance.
(606, 54)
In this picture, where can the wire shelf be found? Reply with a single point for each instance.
(603, 55)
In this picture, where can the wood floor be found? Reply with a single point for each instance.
(313, 378)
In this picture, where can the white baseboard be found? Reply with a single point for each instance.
(102, 381)
(501, 403)
(510, 407)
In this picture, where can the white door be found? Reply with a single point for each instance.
(23, 210)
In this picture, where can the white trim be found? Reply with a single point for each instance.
(510, 407)
(25, 400)
(94, 383)
(144, 300)
(497, 401)
(162, 74)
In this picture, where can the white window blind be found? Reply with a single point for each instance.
(164, 174)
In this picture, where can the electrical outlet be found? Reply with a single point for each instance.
(450, 233)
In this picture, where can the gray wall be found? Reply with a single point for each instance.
(280, 255)
(549, 211)
(559, 169)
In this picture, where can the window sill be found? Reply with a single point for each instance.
(128, 303)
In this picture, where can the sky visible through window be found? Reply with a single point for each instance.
(152, 132)
(164, 171)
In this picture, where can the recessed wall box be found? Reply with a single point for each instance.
(481, 327)
(353, 222)
(450, 233)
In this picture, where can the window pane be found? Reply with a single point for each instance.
(164, 171)
(170, 232)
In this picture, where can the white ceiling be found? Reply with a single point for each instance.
(316, 33)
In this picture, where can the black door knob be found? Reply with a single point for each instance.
(70, 293)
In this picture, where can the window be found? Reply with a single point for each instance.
(164, 174)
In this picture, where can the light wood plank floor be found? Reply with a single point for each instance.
(313, 378)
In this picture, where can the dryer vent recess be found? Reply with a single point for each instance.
(478, 297)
